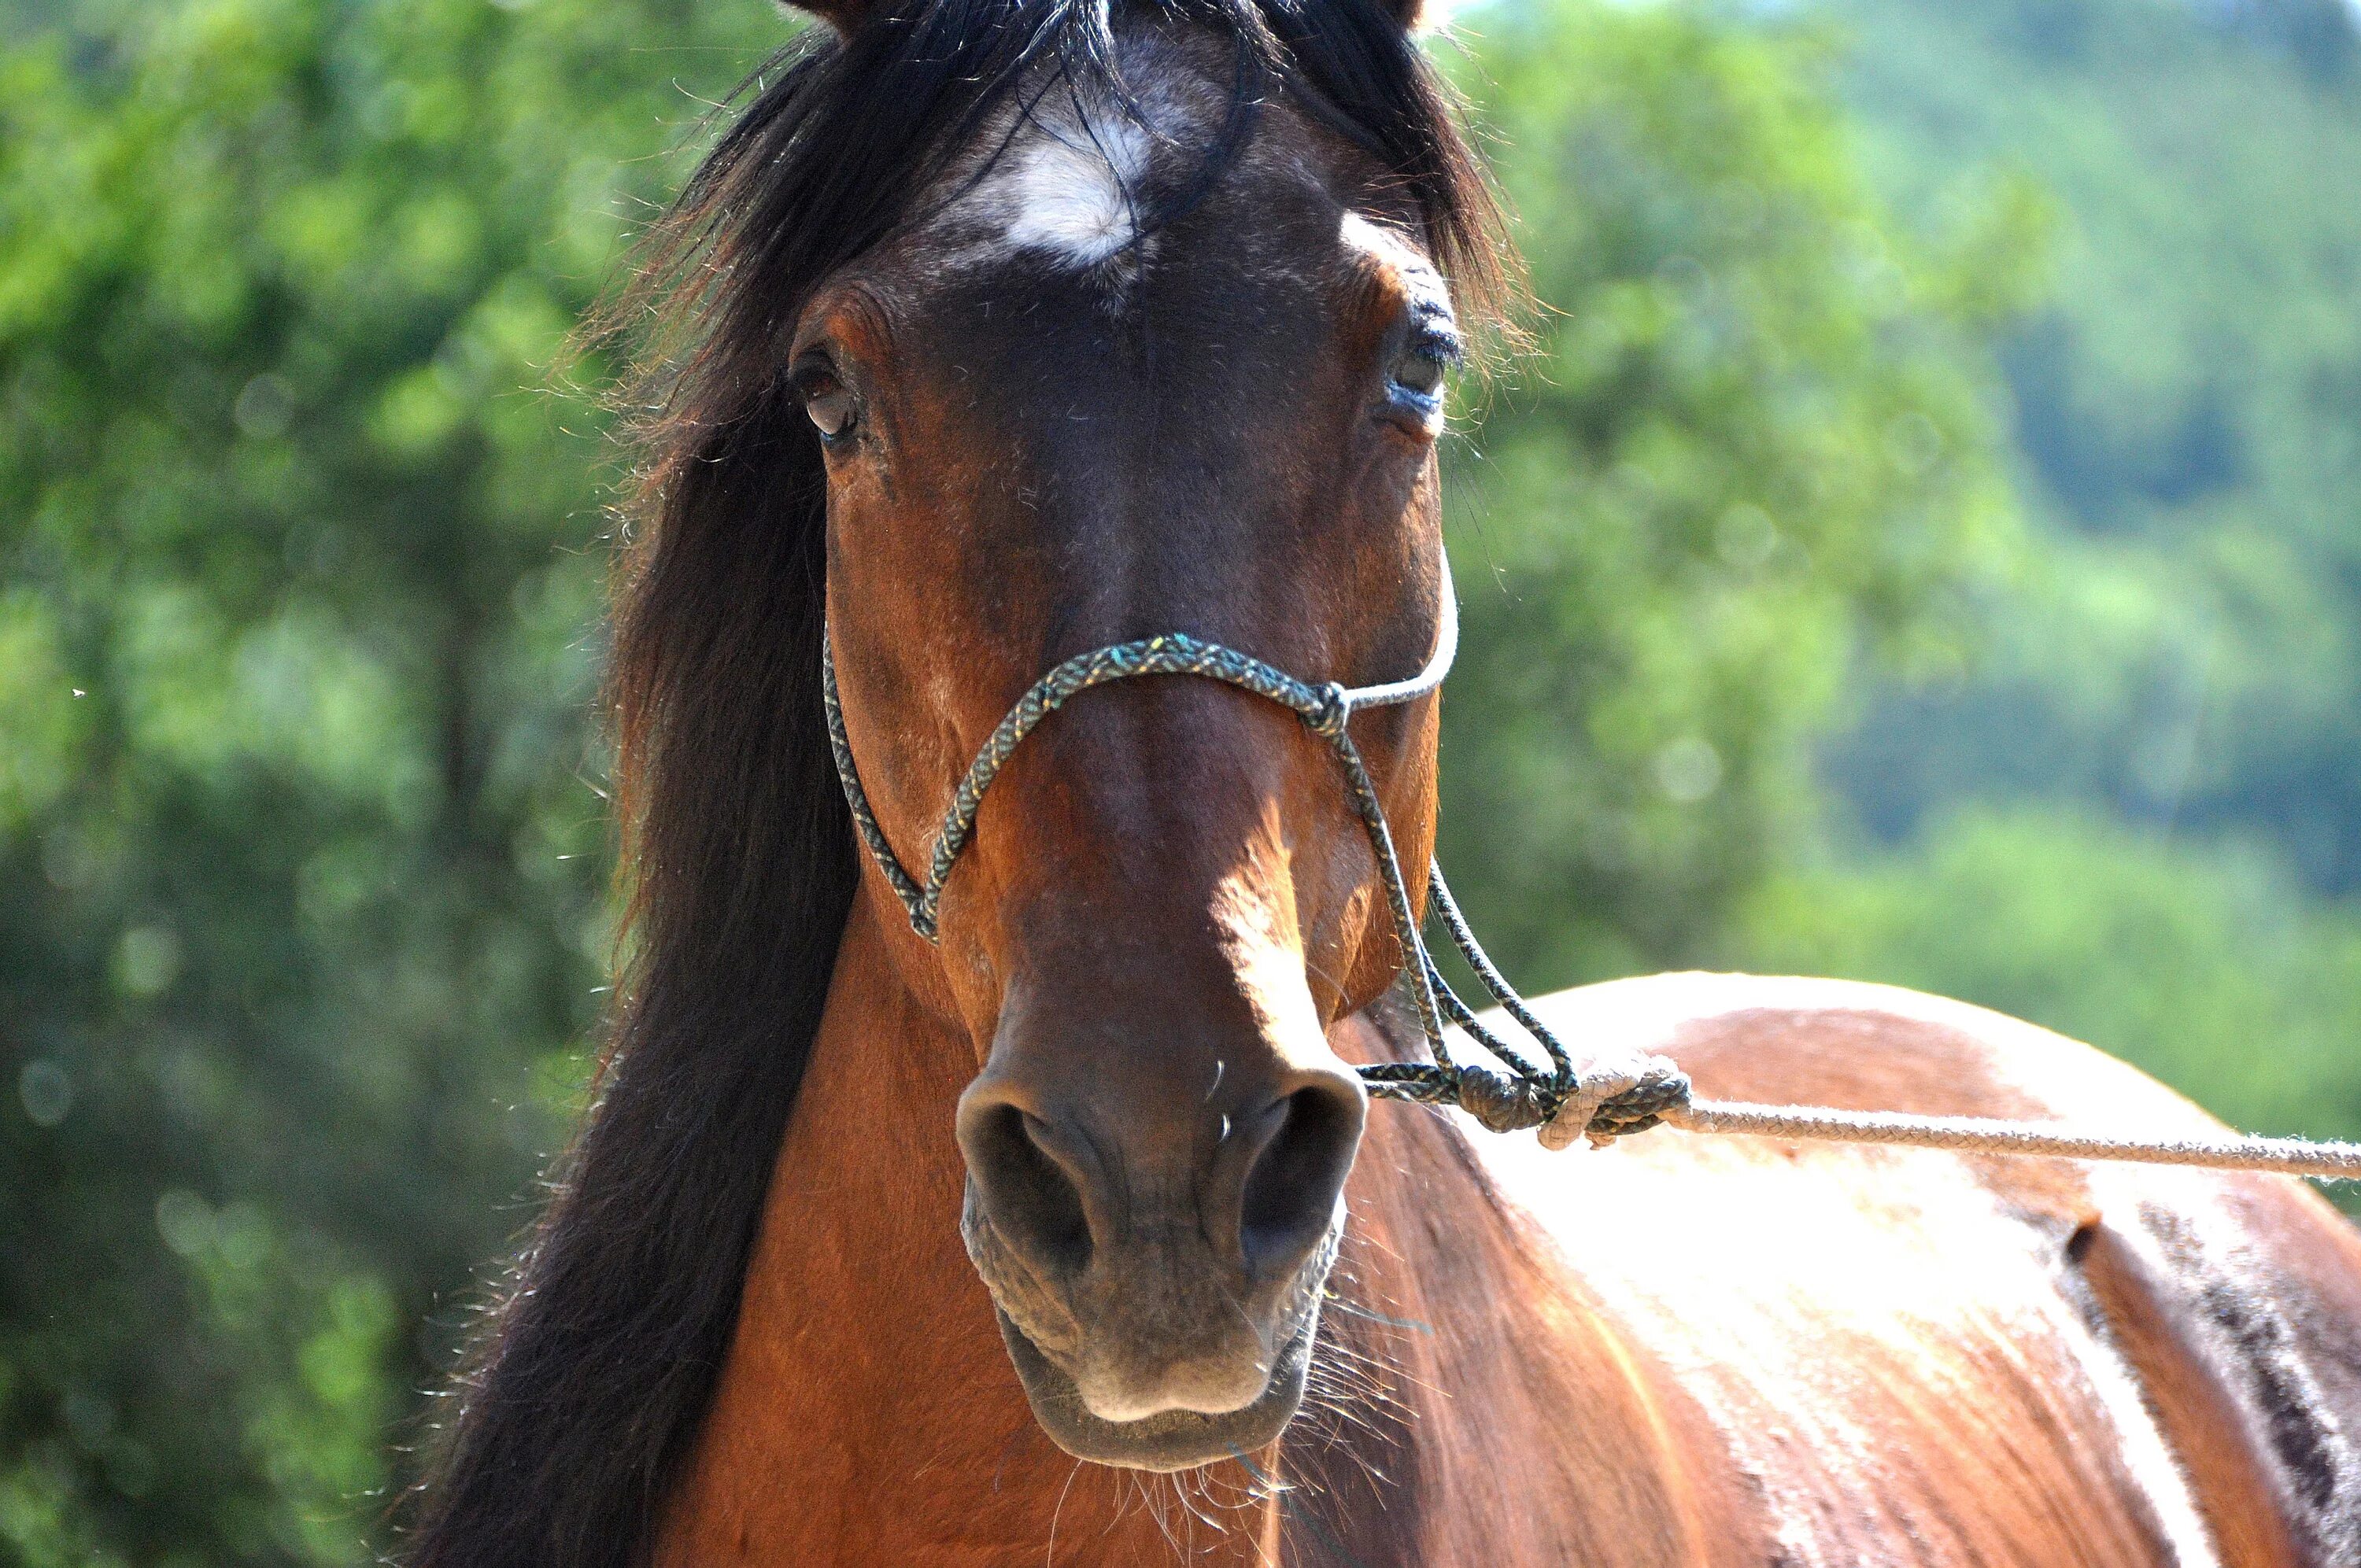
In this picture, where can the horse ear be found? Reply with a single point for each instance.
(844, 16)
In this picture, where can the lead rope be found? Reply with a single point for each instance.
(1565, 1106)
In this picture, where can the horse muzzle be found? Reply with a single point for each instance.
(1159, 1309)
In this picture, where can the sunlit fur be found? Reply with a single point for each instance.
(747, 1332)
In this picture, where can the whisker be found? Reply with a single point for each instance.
(1050, 1559)
(1180, 1490)
(1354, 1309)
(1150, 1493)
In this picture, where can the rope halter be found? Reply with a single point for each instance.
(1610, 1102)
(1526, 1094)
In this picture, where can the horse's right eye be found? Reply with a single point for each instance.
(829, 404)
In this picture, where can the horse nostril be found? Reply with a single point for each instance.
(1028, 1190)
(1290, 1192)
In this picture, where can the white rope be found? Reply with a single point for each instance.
(1603, 1078)
(1446, 649)
(1981, 1135)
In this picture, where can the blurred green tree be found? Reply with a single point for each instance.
(302, 857)
(2185, 411)
(2205, 964)
(2137, 819)
(1755, 447)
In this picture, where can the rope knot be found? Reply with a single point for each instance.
(1335, 708)
(1504, 1105)
(1613, 1101)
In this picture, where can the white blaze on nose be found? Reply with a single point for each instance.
(1070, 190)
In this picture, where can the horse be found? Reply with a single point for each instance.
(995, 331)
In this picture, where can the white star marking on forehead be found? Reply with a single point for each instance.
(1069, 188)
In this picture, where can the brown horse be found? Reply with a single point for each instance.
(1008, 329)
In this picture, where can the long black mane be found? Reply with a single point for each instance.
(592, 1375)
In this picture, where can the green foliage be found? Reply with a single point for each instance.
(301, 875)
(2206, 965)
(302, 869)
(1753, 446)
(2182, 650)
(2185, 410)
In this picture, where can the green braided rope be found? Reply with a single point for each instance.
(1525, 1096)
(864, 821)
(1171, 655)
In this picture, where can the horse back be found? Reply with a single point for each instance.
(1912, 1356)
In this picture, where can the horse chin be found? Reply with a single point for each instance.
(1170, 1439)
(1034, 1313)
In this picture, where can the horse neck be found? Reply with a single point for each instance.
(867, 1410)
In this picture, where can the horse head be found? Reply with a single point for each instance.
(1160, 349)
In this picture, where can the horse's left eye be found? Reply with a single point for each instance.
(1415, 379)
(1420, 369)
(1414, 374)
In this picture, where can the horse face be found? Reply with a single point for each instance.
(1090, 397)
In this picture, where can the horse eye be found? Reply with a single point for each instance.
(1419, 369)
(830, 406)
(1414, 374)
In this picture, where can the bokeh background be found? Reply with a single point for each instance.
(1925, 545)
